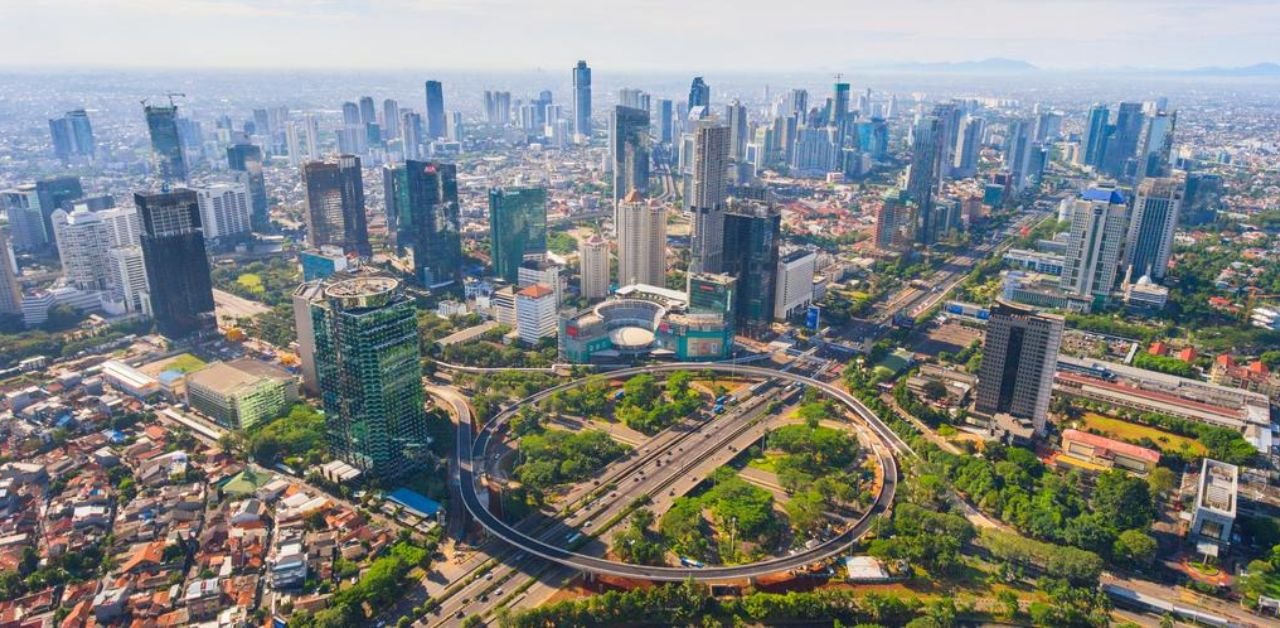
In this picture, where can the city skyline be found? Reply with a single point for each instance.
(1169, 34)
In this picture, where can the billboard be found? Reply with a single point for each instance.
(812, 317)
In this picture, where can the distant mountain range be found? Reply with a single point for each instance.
(1257, 69)
(983, 66)
(998, 65)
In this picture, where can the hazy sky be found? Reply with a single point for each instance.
(634, 34)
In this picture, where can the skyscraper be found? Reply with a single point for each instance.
(369, 370)
(1155, 217)
(84, 239)
(629, 147)
(226, 211)
(72, 135)
(350, 114)
(435, 222)
(700, 95)
(1019, 357)
(166, 144)
(922, 180)
(582, 102)
(246, 159)
(969, 149)
(707, 195)
(177, 266)
(1157, 148)
(1202, 199)
(642, 242)
(395, 195)
(1097, 235)
(594, 259)
(752, 233)
(735, 113)
(1019, 151)
(411, 134)
(390, 119)
(517, 229)
(665, 120)
(1095, 135)
(52, 194)
(10, 289)
(368, 112)
(335, 204)
(435, 110)
(839, 109)
(1122, 145)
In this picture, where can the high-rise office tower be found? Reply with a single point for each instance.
(312, 127)
(1048, 126)
(435, 220)
(950, 117)
(411, 135)
(390, 119)
(642, 242)
(629, 148)
(922, 180)
(226, 210)
(166, 144)
(1202, 200)
(246, 159)
(700, 96)
(26, 224)
(1096, 132)
(335, 204)
(1095, 135)
(395, 195)
(582, 102)
(294, 143)
(1019, 151)
(969, 149)
(177, 266)
(634, 98)
(707, 195)
(752, 233)
(52, 193)
(10, 289)
(839, 111)
(735, 114)
(665, 120)
(497, 107)
(369, 371)
(368, 112)
(594, 260)
(1122, 145)
(350, 114)
(1157, 148)
(1019, 357)
(1149, 244)
(261, 122)
(517, 229)
(435, 111)
(1092, 258)
(72, 135)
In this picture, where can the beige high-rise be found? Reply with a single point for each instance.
(642, 242)
(595, 268)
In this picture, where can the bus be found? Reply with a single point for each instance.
(689, 562)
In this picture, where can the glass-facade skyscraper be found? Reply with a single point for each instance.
(246, 159)
(177, 267)
(752, 233)
(335, 204)
(700, 95)
(629, 145)
(1149, 243)
(517, 228)
(434, 216)
(166, 143)
(435, 110)
(369, 370)
(582, 101)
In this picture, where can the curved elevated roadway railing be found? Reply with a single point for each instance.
(471, 455)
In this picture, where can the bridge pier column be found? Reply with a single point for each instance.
(588, 578)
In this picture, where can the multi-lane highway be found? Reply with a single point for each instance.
(557, 552)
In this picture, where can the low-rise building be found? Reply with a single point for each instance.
(1092, 452)
(241, 393)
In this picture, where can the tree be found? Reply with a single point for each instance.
(935, 389)
(1162, 480)
(1126, 499)
(1136, 547)
(806, 511)
(1009, 605)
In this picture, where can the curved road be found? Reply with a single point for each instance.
(473, 458)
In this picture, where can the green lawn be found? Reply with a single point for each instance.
(1126, 431)
(185, 363)
(769, 462)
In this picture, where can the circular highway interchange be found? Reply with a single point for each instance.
(472, 452)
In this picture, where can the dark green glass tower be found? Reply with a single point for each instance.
(517, 228)
(369, 370)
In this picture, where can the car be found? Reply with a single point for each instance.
(498, 592)
(587, 524)
(460, 614)
(484, 597)
(672, 492)
(636, 478)
(488, 576)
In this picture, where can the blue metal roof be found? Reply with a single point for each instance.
(413, 500)
(1112, 196)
